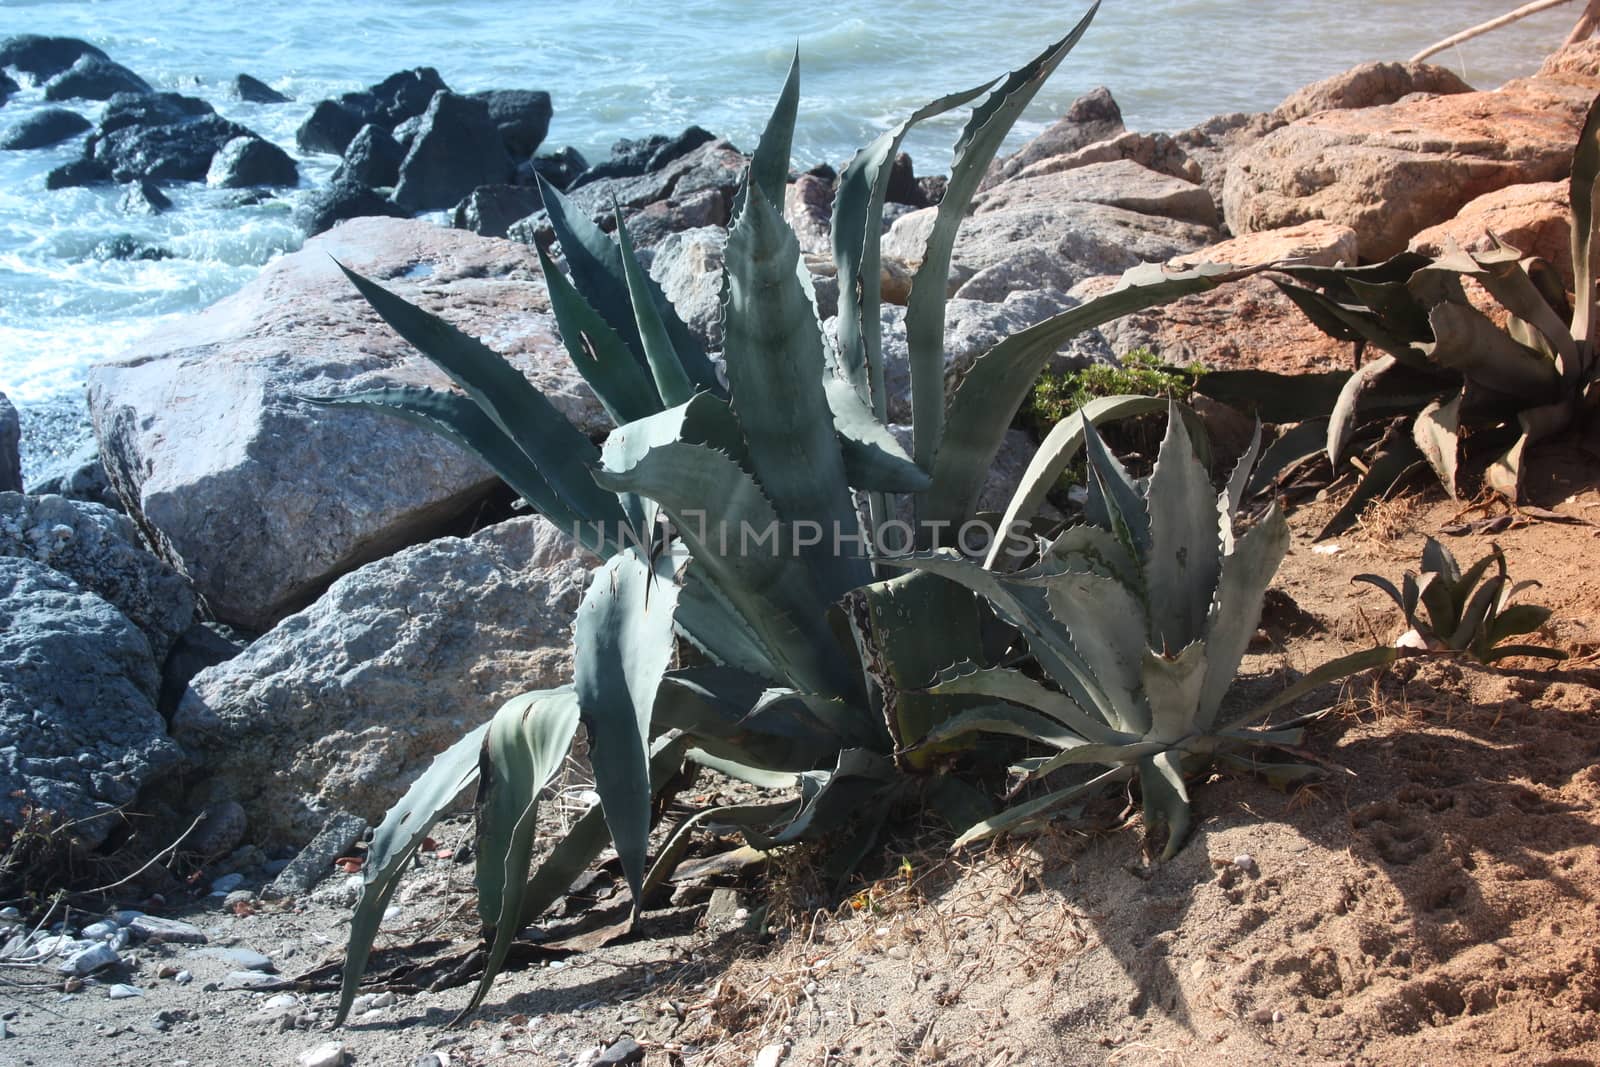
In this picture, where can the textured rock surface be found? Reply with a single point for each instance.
(372, 158)
(1369, 85)
(47, 127)
(94, 77)
(255, 91)
(341, 705)
(266, 499)
(40, 57)
(1535, 219)
(250, 161)
(457, 149)
(1156, 151)
(1317, 243)
(100, 551)
(521, 115)
(808, 208)
(175, 151)
(1116, 183)
(1092, 117)
(490, 210)
(1390, 172)
(689, 267)
(341, 200)
(10, 447)
(715, 165)
(79, 731)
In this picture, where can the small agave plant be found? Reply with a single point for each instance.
(1139, 619)
(1448, 611)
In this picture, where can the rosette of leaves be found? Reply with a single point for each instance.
(1447, 610)
(1453, 370)
(813, 659)
(1138, 620)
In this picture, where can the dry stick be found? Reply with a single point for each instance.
(157, 858)
(1588, 22)
(1494, 24)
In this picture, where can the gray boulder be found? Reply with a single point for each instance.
(340, 706)
(342, 200)
(143, 198)
(177, 151)
(714, 165)
(100, 551)
(1115, 183)
(151, 109)
(521, 115)
(372, 158)
(456, 150)
(43, 128)
(265, 499)
(94, 78)
(405, 95)
(247, 162)
(10, 447)
(331, 126)
(255, 91)
(79, 730)
(688, 265)
(489, 210)
(40, 57)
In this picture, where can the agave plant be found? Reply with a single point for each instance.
(814, 659)
(1138, 619)
(1460, 615)
(1449, 366)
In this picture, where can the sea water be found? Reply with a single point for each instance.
(621, 68)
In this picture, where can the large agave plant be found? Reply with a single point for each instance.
(1441, 360)
(814, 659)
(1138, 619)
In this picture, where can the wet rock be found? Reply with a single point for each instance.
(341, 201)
(521, 115)
(251, 487)
(490, 210)
(330, 127)
(406, 95)
(143, 198)
(94, 78)
(10, 448)
(314, 862)
(631, 158)
(41, 58)
(245, 162)
(350, 699)
(559, 168)
(151, 109)
(256, 91)
(43, 128)
(8, 86)
(76, 173)
(371, 159)
(179, 151)
(456, 150)
(126, 246)
(1092, 117)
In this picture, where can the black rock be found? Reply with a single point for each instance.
(933, 188)
(405, 95)
(249, 161)
(144, 198)
(523, 117)
(330, 128)
(624, 1052)
(256, 91)
(50, 126)
(903, 187)
(560, 169)
(151, 109)
(344, 200)
(457, 150)
(824, 171)
(631, 158)
(94, 78)
(7, 87)
(677, 147)
(175, 152)
(78, 475)
(489, 210)
(84, 171)
(44, 57)
(406, 132)
(202, 645)
(10, 448)
(372, 158)
(128, 247)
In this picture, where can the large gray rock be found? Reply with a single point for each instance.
(457, 149)
(715, 166)
(10, 448)
(372, 158)
(43, 128)
(265, 499)
(94, 78)
(522, 117)
(99, 550)
(342, 705)
(1092, 117)
(40, 57)
(79, 730)
(689, 267)
(246, 162)
(1115, 183)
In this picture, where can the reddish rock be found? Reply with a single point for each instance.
(1316, 243)
(1370, 85)
(1535, 219)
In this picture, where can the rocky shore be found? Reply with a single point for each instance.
(258, 618)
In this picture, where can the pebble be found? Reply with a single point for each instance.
(238, 897)
(771, 1056)
(221, 887)
(327, 1055)
(183, 978)
(247, 958)
(252, 980)
(1245, 862)
(123, 992)
(90, 960)
(101, 930)
(624, 1052)
(11, 914)
(158, 929)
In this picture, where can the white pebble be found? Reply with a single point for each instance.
(123, 992)
(328, 1055)
(1245, 862)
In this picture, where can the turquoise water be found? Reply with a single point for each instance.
(619, 68)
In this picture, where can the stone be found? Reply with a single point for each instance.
(633, 157)
(94, 77)
(1213, 144)
(123, 991)
(1153, 151)
(244, 958)
(1118, 183)
(125, 246)
(328, 1054)
(489, 210)
(8, 86)
(220, 830)
(100, 551)
(456, 150)
(521, 115)
(623, 1052)
(1316, 243)
(329, 128)
(1092, 117)
(722, 910)
(406, 94)
(166, 931)
(254, 980)
(372, 158)
(143, 198)
(83, 171)
(315, 862)
(1391, 172)
(77, 703)
(74, 472)
(771, 1055)
(41, 58)
(688, 266)
(341, 201)
(246, 162)
(266, 499)
(177, 151)
(1535, 219)
(221, 887)
(1370, 85)
(89, 960)
(654, 223)
(350, 699)
(10, 447)
(903, 187)
(715, 164)
(255, 91)
(200, 646)
(150, 109)
(808, 209)
(559, 168)
(49, 126)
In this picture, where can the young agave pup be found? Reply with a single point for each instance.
(1140, 618)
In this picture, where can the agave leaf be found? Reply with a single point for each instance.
(873, 459)
(1161, 782)
(710, 622)
(1107, 627)
(1462, 587)
(1000, 719)
(1017, 688)
(1438, 559)
(1014, 817)
(1235, 613)
(1400, 268)
(1476, 615)
(857, 242)
(1180, 569)
(1059, 448)
(677, 844)
(622, 648)
(1292, 446)
(1538, 651)
(1501, 272)
(833, 799)
(1233, 494)
(1504, 475)
(985, 131)
(998, 382)
(666, 369)
(1396, 306)
(394, 842)
(1585, 255)
(746, 556)
(776, 367)
(1278, 775)
(769, 165)
(1396, 459)
(1346, 411)
(1467, 340)
(734, 716)
(703, 420)
(1127, 508)
(1436, 434)
(526, 744)
(1173, 687)
(1095, 550)
(759, 777)
(1384, 584)
(1518, 619)
(1331, 671)
(599, 353)
(553, 445)
(1108, 755)
(1274, 397)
